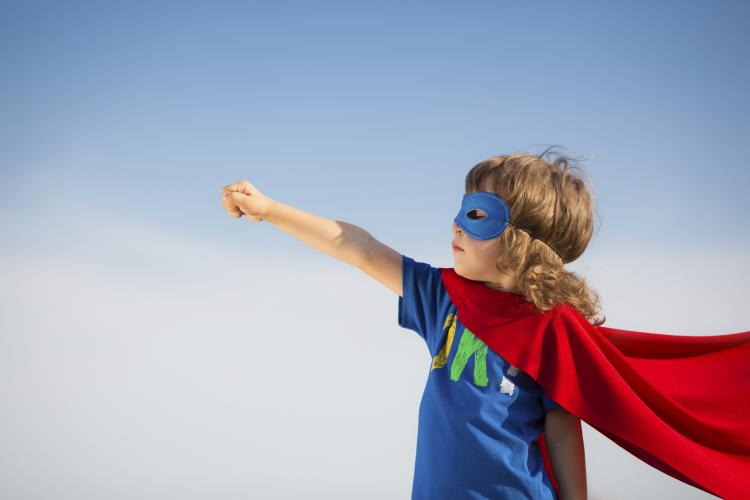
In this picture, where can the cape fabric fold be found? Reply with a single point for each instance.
(679, 403)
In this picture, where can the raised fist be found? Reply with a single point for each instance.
(242, 198)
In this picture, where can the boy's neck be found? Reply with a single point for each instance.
(504, 285)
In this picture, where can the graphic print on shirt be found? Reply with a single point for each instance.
(441, 358)
(469, 345)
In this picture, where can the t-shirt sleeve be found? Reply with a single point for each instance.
(548, 403)
(420, 306)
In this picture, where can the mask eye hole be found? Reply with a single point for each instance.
(476, 214)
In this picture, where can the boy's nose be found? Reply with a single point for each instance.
(456, 228)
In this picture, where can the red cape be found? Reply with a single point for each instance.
(679, 403)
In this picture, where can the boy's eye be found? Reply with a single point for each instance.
(474, 214)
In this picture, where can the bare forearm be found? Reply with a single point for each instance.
(338, 239)
(568, 460)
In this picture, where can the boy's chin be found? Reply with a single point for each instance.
(460, 271)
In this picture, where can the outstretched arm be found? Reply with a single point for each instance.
(339, 239)
(336, 238)
(564, 439)
(347, 242)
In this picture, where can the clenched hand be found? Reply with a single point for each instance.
(242, 198)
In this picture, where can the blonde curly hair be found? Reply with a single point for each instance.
(552, 221)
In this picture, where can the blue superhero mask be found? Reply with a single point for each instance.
(486, 227)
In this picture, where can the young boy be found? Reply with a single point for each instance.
(484, 445)
(488, 424)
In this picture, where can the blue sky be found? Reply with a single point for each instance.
(401, 97)
(121, 122)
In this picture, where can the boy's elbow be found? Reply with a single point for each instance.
(560, 423)
(352, 244)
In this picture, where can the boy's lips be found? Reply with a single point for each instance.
(457, 248)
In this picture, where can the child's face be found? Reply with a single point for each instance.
(476, 259)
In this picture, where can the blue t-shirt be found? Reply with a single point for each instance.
(479, 415)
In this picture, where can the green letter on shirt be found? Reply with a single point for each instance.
(469, 345)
